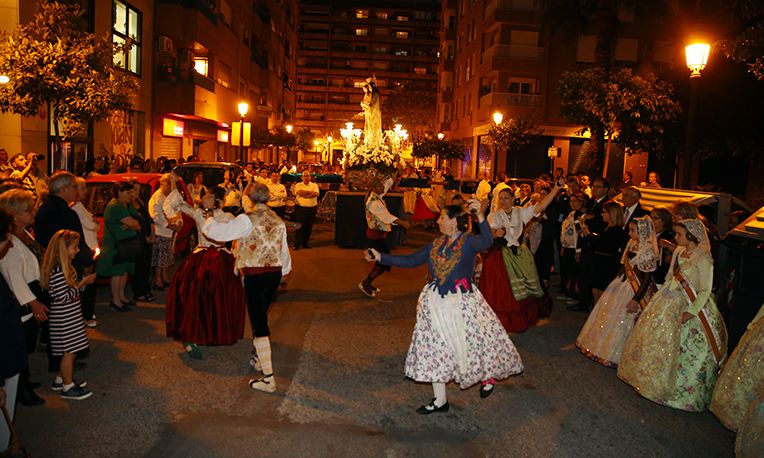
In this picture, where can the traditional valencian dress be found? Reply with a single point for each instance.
(205, 302)
(675, 363)
(604, 334)
(457, 336)
(742, 378)
(750, 435)
(509, 280)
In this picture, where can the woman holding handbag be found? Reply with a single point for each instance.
(120, 228)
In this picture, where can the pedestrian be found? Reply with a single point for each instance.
(262, 259)
(278, 194)
(604, 334)
(197, 188)
(90, 228)
(605, 249)
(13, 358)
(142, 276)
(306, 193)
(674, 352)
(163, 253)
(205, 302)
(457, 337)
(570, 253)
(23, 171)
(379, 223)
(67, 325)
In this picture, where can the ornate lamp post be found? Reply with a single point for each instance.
(243, 108)
(498, 117)
(697, 59)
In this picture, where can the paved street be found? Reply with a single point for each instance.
(338, 357)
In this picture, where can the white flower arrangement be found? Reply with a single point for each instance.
(384, 156)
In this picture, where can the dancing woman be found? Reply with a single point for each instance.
(205, 303)
(509, 281)
(604, 334)
(673, 354)
(457, 336)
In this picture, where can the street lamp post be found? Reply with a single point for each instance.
(243, 109)
(697, 59)
(329, 148)
(498, 117)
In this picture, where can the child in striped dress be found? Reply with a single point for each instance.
(67, 325)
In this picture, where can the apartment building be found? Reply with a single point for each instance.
(501, 56)
(342, 43)
(210, 56)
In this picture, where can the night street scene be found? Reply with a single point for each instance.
(425, 228)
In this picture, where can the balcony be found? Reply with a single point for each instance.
(498, 99)
(512, 11)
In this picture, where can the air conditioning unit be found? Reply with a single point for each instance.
(164, 44)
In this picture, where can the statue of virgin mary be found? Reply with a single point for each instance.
(372, 116)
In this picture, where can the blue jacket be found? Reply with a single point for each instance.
(464, 268)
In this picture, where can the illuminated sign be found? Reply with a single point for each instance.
(172, 127)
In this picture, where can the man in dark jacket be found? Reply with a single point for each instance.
(54, 214)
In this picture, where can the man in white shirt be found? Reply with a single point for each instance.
(484, 188)
(162, 254)
(379, 222)
(278, 194)
(306, 204)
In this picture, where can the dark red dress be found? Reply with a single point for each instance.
(205, 303)
(516, 316)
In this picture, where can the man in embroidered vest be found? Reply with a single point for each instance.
(262, 258)
(379, 223)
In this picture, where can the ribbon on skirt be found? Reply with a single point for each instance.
(633, 280)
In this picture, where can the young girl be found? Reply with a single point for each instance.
(67, 326)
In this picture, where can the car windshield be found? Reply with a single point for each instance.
(100, 194)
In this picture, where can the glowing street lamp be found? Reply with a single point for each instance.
(696, 55)
(243, 108)
(4, 79)
(289, 128)
(498, 117)
(440, 135)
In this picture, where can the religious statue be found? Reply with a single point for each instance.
(372, 116)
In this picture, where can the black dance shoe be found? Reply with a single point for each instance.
(486, 390)
(117, 308)
(432, 408)
(29, 398)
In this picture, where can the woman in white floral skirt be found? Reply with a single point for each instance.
(457, 336)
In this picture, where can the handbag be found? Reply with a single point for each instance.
(128, 249)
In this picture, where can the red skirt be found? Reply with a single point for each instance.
(205, 302)
(516, 316)
(422, 212)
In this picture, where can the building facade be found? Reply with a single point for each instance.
(502, 56)
(212, 56)
(341, 44)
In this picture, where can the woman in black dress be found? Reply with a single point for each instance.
(606, 248)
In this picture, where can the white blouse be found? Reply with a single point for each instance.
(512, 222)
(20, 267)
(90, 225)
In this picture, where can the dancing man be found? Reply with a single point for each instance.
(379, 223)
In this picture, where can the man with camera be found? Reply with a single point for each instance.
(24, 169)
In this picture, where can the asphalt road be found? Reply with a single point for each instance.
(338, 358)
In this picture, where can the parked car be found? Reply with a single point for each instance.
(100, 194)
(212, 171)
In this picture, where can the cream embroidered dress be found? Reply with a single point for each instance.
(669, 362)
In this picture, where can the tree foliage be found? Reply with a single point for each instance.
(52, 62)
(414, 109)
(442, 149)
(633, 110)
(748, 45)
(514, 133)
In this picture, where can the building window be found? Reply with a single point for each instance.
(126, 24)
(401, 18)
(420, 70)
(201, 65)
(401, 52)
(403, 35)
(361, 32)
(362, 14)
(382, 15)
(585, 49)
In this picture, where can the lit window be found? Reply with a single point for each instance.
(401, 52)
(420, 70)
(362, 14)
(401, 18)
(361, 32)
(402, 35)
(382, 15)
(201, 65)
(126, 24)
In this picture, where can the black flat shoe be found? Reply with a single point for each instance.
(117, 308)
(130, 303)
(432, 408)
(30, 399)
(485, 392)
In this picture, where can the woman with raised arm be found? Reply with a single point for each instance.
(674, 352)
(510, 281)
(457, 337)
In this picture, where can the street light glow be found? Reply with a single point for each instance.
(697, 57)
(329, 139)
(440, 135)
(243, 108)
(289, 128)
(498, 117)
(4, 79)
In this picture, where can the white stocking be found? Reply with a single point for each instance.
(439, 389)
(263, 349)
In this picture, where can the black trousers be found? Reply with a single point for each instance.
(141, 282)
(88, 300)
(281, 211)
(306, 216)
(260, 291)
